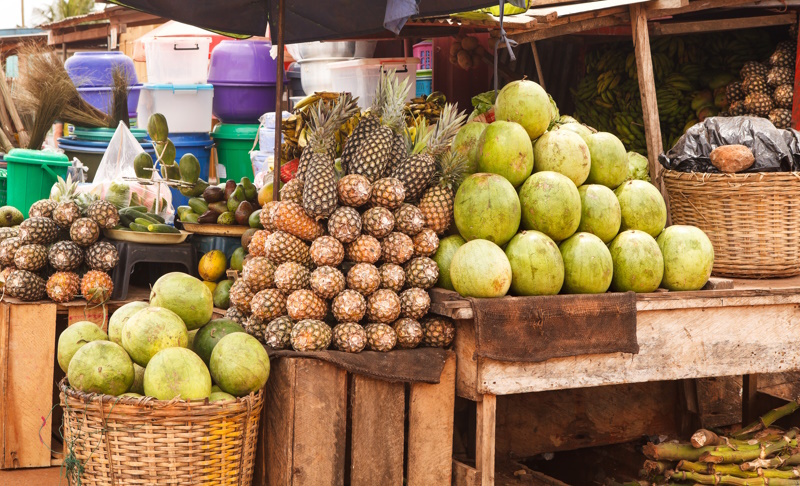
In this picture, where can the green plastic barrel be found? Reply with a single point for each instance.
(3, 187)
(234, 143)
(31, 175)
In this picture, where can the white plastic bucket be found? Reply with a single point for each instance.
(187, 108)
(177, 60)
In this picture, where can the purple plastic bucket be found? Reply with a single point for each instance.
(100, 98)
(242, 103)
(95, 69)
(246, 62)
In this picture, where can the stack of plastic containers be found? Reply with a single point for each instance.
(424, 52)
(89, 144)
(92, 73)
(244, 77)
(178, 89)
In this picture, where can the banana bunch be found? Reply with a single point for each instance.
(428, 107)
(295, 128)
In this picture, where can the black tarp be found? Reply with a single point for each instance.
(305, 20)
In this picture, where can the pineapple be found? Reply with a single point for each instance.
(399, 152)
(102, 256)
(758, 104)
(256, 327)
(414, 303)
(84, 232)
(734, 92)
(377, 222)
(426, 243)
(779, 75)
(66, 213)
(409, 333)
(42, 208)
(268, 304)
(259, 273)
(278, 334)
(349, 306)
(258, 243)
(30, 257)
(780, 117)
(349, 337)
(6, 272)
(327, 282)
(783, 96)
(753, 67)
(354, 190)
(311, 335)
(345, 224)
(327, 251)
(304, 304)
(408, 219)
(365, 249)
(319, 188)
(281, 247)
(240, 296)
(64, 256)
(267, 212)
(367, 123)
(782, 58)
(293, 190)
(422, 272)
(393, 277)
(438, 332)
(38, 230)
(25, 285)
(388, 193)
(103, 213)
(418, 170)
(9, 232)
(8, 249)
(63, 286)
(380, 337)
(737, 108)
(755, 84)
(436, 203)
(364, 278)
(375, 151)
(383, 306)
(290, 217)
(96, 287)
(397, 248)
(291, 276)
(235, 315)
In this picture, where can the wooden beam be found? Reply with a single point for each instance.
(796, 99)
(569, 28)
(719, 25)
(464, 475)
(647, 89)
(79, 35)
(665, 4)
(697, 6)
(749, 394)
(485, 439)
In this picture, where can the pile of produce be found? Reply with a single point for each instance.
(227, 204)
(695, 78)
(561, 201)
(758, 454)
(356, 249)
(57, 251)
(427, 107)
(466, 52)
(167, 349)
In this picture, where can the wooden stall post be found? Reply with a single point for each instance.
(485, 443)
(647, 90)
(796, 99)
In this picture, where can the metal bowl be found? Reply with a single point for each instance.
(327, 50)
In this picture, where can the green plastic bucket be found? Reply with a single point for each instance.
(31, 175)
(3, 187)
(234, 143)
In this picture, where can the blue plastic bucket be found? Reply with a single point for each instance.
(91, 153)
(197, 144)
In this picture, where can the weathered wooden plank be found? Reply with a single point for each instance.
(673, 345)
(378, 415)
(533, 423)
(665, 4)
(749, 393)
(466, 361)
(91, 314)
(569, 28)
(716, 283)
(430, 429)
(718, 25)
(485, 439)
(464, 475)
(274, 454)
(27, 340)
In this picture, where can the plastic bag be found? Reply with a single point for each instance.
(775, 150)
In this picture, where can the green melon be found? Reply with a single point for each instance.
(73, 338)
(443, 257)
(609, 160)
(151, 330)
(564, 152)
(588, 267)
(177, 373)
(550, 204)
(467, 144)
(239, 364)
(505, 149)
(526, 103)
(101, 367)
(600, 213)
(638, 264)
(186, 296)
(480, 269)
(642, 207)
(118, 319)
(536, 264)
(484, 198)
(688, 257)
(209, 335)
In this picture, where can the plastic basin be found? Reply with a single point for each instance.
(187, 107)
(101, 98)
(242, 103)
(95, 69)
(234, 143)
(197, 144)
(248, 62)
(90, 153)
(31, 175)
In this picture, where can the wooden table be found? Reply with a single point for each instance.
(682, 335)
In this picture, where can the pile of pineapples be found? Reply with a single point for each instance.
(766, 89)
(56, 250)
(355, 249)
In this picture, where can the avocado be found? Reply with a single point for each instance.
(250, 191)
(213, 194)
(189, 167)
(233, 203)
(10, 216)
(157, 127)
(247, 236)
(255, 219)
(230, 186)
(237, 259)
(143, 165)
(209, 217)
(243, 212)
(219, 206)
(170, 172)
(197, 189)
(227, 218)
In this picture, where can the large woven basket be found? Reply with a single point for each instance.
(113, 441)
(753, 220)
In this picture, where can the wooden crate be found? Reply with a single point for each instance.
(322, 426)
(28, 373)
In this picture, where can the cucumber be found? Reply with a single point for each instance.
(141, 209)
(119, 227)
(124, 219)
(198, 205)
(190, 218)
(144, 221)
(138, 227)
(156, 217)
(181, 210)
(139, 215)
(162, 228)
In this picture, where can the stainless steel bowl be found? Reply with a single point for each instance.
(328, 50)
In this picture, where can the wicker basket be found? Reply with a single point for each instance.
(753, 220)
(143, 441)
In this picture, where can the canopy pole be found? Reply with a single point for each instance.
(276, 181)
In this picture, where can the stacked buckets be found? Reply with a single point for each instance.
(92, 73)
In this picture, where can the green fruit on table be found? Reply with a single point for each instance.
(638, 263)
(75, 337)
(10, 216)
(196, 190)
(189, 168)
(177, 373)
(141, 164)
(250, 191)
(588, 267)
(184, 295)
(536, 264)
(227, 218)
(183, 211)
(526, 103)
(101, 367)
(444, 256)
(255, 220)
(157, 127)
(506, 150)
(479, 268)
(600, 213)
(551, 204)
(166, 152)
(221, 294)
(239, 364)
(642, 207)
(116, 323)
(191, 218)
(150, 330)
(237, 259)
(688, 257)
(219, 207)
(209, 335)
(212, 266)
(487, 197)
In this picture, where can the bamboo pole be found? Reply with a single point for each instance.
(276, 165)
(12, 111)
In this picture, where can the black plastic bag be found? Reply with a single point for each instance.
(775, 150)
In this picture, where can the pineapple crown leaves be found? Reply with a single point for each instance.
(445, 131)
(325, 120)
(417, 139)
(450, 168)
(395, 94)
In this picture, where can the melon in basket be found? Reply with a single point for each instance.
(151, 330)
(177, 373)
(239, 364)
(74, 337)
(118, 319)
(101, 367)
(186, 296)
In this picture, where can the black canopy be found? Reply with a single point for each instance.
(305, 20)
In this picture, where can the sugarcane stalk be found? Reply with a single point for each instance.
(739, 456)
(704, 437)
(675, 451)
(731, 480)
(654, 468)
(719, 469)
(768, 419)
(775, 462)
